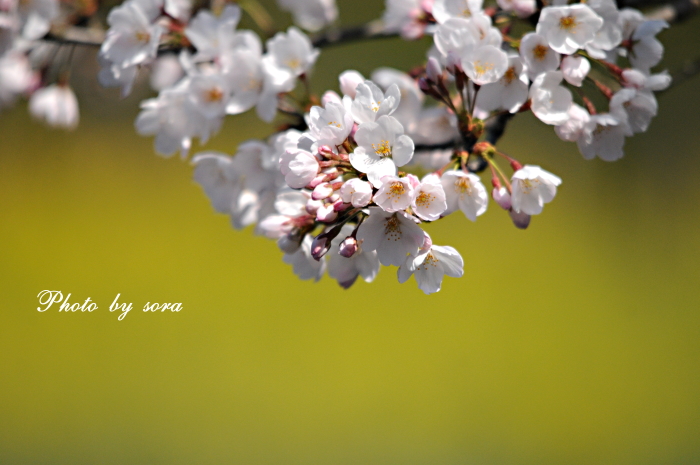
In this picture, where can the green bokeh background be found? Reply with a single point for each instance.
(574, 342)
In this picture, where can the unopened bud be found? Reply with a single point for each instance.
(322, 191)
(454, 63)
(520, 220)
(320, 246)
(413, 180)
(433, 70)
(425, 86)
(348, 247)
(340, 206)
(326, 214)
(312, 206)
(326, 152)
(349, 81)
(427, 242)
(317, 180)
(483, 148)
(502, 197)
(331, 97)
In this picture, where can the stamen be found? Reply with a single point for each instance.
(568, 23)
(396, 190)
(540, 52)
(463, 186)
(526, 185)
(510, 75)
(382, 149)
(392, 228)
(214, 95)
(424, 199)
(143, 36)
(481, 69)
(430, 260)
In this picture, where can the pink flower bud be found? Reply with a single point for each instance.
(354, 130)
(502, 197)
(413, 180)
(326, 214)
(425, 86)
(330, 97)
(427, 242)
(348, 247)
(317, 180)
(335, 197)
(326, 152)
(433, 70)
(454, 63)
(322, 191)
(349, 81)
(340, 206)
(320, 246)
(312, 206)
(520, 220)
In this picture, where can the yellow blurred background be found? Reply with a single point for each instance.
(574, 342)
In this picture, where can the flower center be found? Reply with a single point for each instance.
(293, 63)
(334, 123)
(526, 185)
(540, 52)
(568, 23)
(382, 149)
(375, 106)
(430, 260)
(510, 75)
(142, 36)
(396, 190)
(463, 186)
(482, 68)
(600, 129)
(424, 199)
(214, 95)
(392, 228)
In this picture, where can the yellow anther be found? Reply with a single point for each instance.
(463, 186)
(568, 23)
(214, 95)
(510, 75)
(540, 52)
(424, 199)
(143, 36)
(481, 69)
(392, 228)
(396, 190)
(382, 149)
(430, 260)
(526, 185)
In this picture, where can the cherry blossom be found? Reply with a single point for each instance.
(569, 28)
(392, 235)
(532, 188)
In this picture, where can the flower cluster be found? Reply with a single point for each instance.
(333, 186)
(227, 74)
